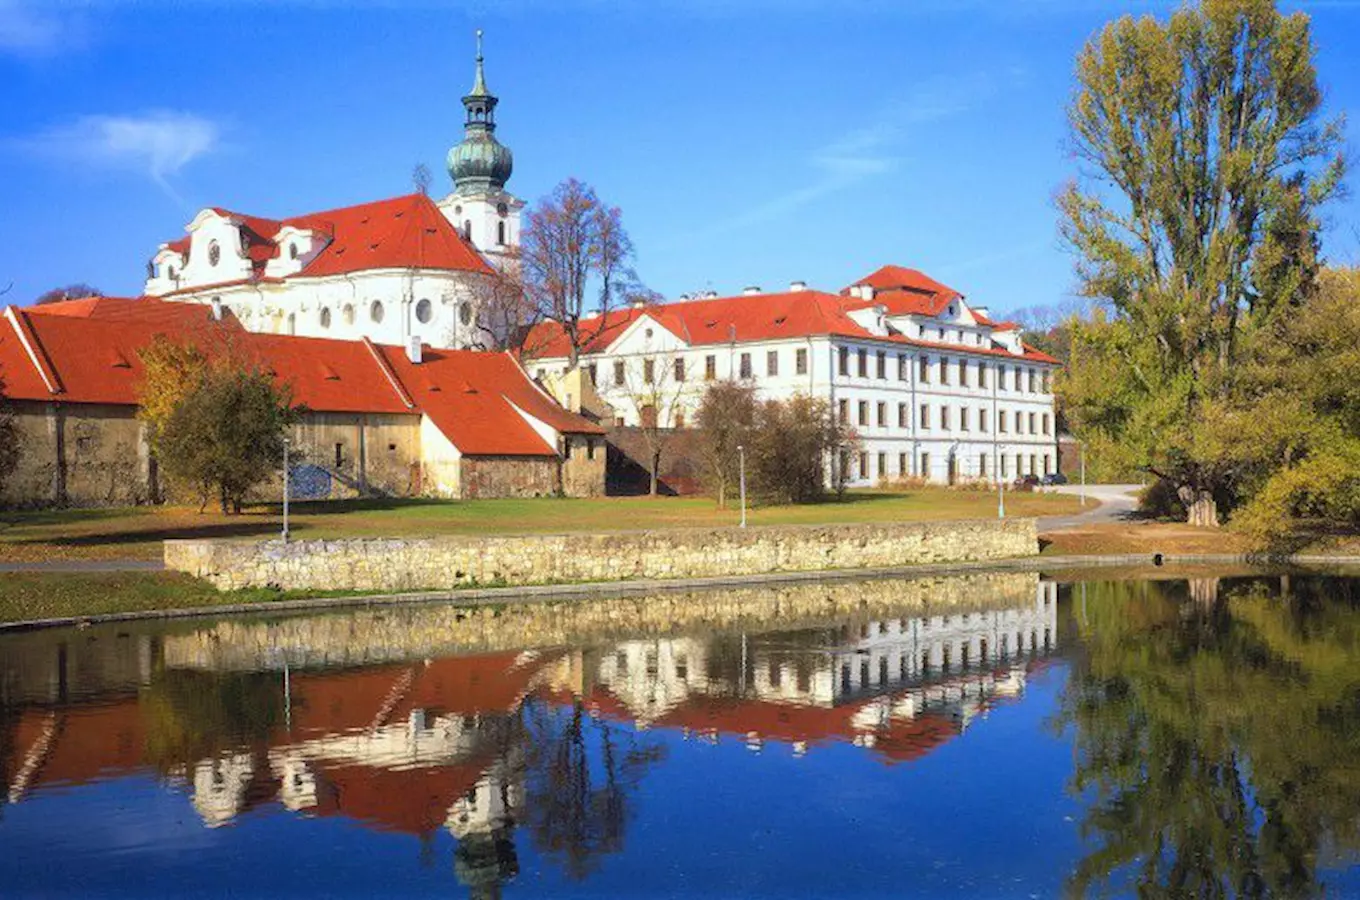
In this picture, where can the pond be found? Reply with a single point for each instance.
(992, 736)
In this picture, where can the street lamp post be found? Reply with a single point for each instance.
(741, 457)
(285, 490)
(1000, 497)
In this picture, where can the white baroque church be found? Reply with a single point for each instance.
(403, 271)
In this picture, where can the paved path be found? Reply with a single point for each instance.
(1117, 503)
(85, 565)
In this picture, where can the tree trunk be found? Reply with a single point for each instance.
(656, 465)
(1200, 506)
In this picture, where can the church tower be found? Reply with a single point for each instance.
(480, 165)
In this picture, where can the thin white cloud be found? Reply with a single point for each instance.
(875, 149)
(28, 29)
(157, 144)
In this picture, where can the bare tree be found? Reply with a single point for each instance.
(68, 292)
(505, 313)
(725, 419)
(576, 260)
(655, 389)
(421, 178)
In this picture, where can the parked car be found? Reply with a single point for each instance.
(1025, 483)
(1054, 478)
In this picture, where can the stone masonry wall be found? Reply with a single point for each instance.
(404, 564)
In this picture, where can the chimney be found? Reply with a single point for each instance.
(638, 303)
(414, 351)
(217, 308)
(982, 311)
(711, 295)
(796, 286)
(866, 292)
(751, 290)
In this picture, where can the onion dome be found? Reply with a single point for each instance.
(479, 163)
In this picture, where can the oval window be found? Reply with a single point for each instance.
(465, 313)
(424, 311)
(325, 317)
(214, 253)
(375, 312)
(348, 314)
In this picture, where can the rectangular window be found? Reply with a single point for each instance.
(800, 361)
(944, 371)
(679, 368)
(618, 371)
(982, 465)
(590, 448)
(924, 375)
(1001, 421)
(1032, 467)
(710, 367)
(1048, 464)
(566, 448)
(1031, 424)
(1047, 384)
(1019, 465)
(902, 421)
(963, 418)
(903, 367)
(925, 465)
(902, 464)
(843, 361)
(339, 456)
(963, 373)
(593, 371)
(649, 371)
(843, 408)
(944, 418)
(772, 363)
(982, 419)
(864, 412)
(746, 365)
(882, 466)
(1001, 378)
(925, 416)
(982, 375)
(1046, 424)
(1004, 473)
(863, 465)
(882, 414)
(882, 364)
(1019, 422)
(1033, 382)
(863, 363)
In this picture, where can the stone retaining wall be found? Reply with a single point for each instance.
(405, 564)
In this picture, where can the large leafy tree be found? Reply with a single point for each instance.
(1195, 221)
(724, 421)
(216, 424)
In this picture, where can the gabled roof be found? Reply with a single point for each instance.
(89, 352)
(886, 278)
(400, 232)
(760, 317)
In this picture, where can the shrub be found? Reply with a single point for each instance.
(1159, 500)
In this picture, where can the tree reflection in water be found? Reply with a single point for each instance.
(1216, 733)
(581, 772)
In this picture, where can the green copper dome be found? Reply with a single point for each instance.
(479, 162)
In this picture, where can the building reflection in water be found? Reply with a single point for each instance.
(482, 745)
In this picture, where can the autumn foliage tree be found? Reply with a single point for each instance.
(216, 424)
(726, 416)
(576, 261)
(1195, 222)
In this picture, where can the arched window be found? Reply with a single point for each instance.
(375, 311)
(348, 313)
(292, 251)
(465, 313)
(500, 233)
(214, 253)
(292, 323)
(424, 311)
(325, 317)
(467, 229)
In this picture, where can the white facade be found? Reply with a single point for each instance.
(946, 399)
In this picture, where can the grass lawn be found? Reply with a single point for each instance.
(136, 533)
(52, 595)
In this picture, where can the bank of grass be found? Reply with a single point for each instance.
(137, 533)
(49, 595)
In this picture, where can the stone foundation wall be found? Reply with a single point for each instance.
(404, 564)
(509, 476)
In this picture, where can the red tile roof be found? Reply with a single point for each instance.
(83, 352)
(899, 277)
(401, 232)
(757, 317)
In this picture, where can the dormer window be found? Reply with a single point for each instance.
(214, 253)
(292, 251)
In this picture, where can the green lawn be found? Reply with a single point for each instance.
(53, 595)
(137, 533)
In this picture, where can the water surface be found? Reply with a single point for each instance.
(987, 736)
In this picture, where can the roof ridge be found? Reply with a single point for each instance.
(386, 368)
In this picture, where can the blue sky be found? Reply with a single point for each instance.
(747, 141)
